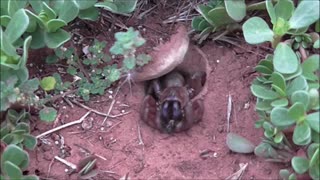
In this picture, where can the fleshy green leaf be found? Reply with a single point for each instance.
(236, 9)
(219, 17)
(56, 39)
(280, 102)
(55, 24)
(239, 144)
(285, 60)
(29, 141)
(299, 83)
(300, 164)
(85, 4)
(314, 122)
(12, 170)
(301, 97)
(302, 134)
(89, 14)
(68, 11)
(280, 117)
(271, 11)
(15, 155)
(256, 31)
(306, 13)
(263, 92)
(17, 26)
(309, 66)
(284, 9)
(278, 80)
(297, 111)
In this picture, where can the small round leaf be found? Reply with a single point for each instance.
(48, 114)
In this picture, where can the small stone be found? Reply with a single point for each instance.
(66, 170)
(246, 105)
(220, 129)
(218, 60)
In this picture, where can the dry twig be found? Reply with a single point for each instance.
(64, 126)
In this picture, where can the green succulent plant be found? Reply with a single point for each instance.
(13, 161)
(16, 130)
(220, 15)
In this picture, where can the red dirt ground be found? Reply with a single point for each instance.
(162, 156)
(158, 156)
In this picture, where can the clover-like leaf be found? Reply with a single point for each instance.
(239, 144)
(256, 31)
(300, 164)
(129, 62)
(143, 59)
(280, 117)
(302, 134)
(48, 83)
(48, 114)
(285, 60)
(114, 74)
(236, 9)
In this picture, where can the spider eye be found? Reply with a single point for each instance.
(165, 110)
(176, 114)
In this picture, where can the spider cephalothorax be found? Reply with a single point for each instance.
(168, 106)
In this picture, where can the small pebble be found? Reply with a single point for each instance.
(66, 170)
(218, 61)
